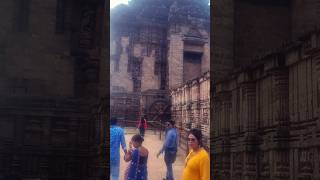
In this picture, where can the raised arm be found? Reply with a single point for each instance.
(123, 142)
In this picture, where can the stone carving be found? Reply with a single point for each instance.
(194, 116)
(275, 120)
(266, 102)
(87, 27)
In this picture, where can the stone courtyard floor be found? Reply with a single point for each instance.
(156, 166)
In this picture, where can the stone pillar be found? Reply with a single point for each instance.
(249, 119)
(225, 110)
(217, 114)
(221, 143)
(281, 92)
(225, 118)
(175, 61)
(316, 159)
(205, 65)
(249, 92)
(317, 82)
(281, 117)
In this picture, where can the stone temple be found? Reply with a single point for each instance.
(160, 63)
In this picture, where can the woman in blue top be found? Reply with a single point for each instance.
(138, 156)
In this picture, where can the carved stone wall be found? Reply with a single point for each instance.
(49, 86)
(265, 68)
(45, 139)
(267, 116)
(191, 108)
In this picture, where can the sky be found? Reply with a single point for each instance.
(113, 3)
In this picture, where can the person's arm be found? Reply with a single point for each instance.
(127, 156)
(205, 168)
(123, 143)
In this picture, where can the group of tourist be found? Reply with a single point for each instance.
(197, 165)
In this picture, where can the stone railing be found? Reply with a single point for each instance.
(191, 107)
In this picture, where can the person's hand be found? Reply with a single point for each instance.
(129, 152)
(130, 145)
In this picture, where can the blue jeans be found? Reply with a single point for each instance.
(169, 158)
(114, 172)
(169, 175)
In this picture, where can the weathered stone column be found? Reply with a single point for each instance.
(175, 60)
(221, 138)
(249, 118)
(280, 154)
(281, 99)
(249, 110)
(317, 81)
(216, 145)
(225, 120)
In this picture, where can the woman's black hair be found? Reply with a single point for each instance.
(198, 134)
(137, 138)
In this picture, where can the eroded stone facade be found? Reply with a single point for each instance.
(265, 108)
(267, 116)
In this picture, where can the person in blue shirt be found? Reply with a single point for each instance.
(116, 138)
(169, 148)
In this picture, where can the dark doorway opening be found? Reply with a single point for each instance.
(191, 65)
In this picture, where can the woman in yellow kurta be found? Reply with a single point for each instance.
(197, 164)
